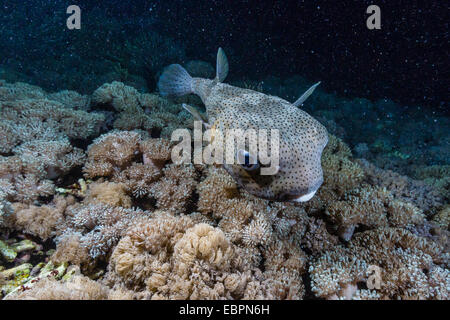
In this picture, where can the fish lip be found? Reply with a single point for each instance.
(290, 197)
(305, 197)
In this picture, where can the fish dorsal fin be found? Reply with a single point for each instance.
(221, 66)
(305, 96)
(194, 112)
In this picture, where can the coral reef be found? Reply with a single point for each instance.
(406, 267)
(426, 196)
(144, 111)
(37, 148)
(76, 288)
(92, 207)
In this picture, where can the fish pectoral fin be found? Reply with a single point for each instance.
(195, 113)
(221, 66)
(305, 96)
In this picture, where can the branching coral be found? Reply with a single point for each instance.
(111, 151)
(442, 218)
(404, 214)
(19, 91)
(148, 112)
(340, 173)
(41, 221)
(436, 176)
(109, 193)
(41, 117)
(422, 195)
(99, 226)
(365, 208)
(174, 191)
(371, 208)
(408, 267)
(170, 257)
(71, 99)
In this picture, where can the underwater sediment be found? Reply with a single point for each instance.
(92, 207)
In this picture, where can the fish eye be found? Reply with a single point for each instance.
(247, 161)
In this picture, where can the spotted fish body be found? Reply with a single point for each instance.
(301, 137)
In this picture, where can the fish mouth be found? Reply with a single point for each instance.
(305, 197)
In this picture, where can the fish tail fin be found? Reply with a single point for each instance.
(221, 65)
(175, 80)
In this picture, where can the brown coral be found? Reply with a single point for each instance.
(155, 152)
(77, 287)
(110, 193)
(442, 218)
(41, 221)
(424, 196)
(174, 191)
(404, 262)
(111, 151)
(143, 111)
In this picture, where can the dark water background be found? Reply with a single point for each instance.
(383, 91)
(328, 40)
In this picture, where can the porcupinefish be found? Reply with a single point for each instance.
(301, 137)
